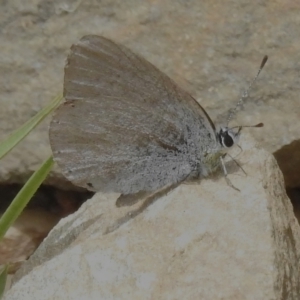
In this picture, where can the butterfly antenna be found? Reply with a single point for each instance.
(247, 91)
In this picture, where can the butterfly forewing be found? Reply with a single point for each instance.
(125, 126)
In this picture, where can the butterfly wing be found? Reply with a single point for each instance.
(125, 126)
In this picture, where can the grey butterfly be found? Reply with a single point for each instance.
(127, 127)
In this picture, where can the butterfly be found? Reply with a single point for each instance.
(127, 127)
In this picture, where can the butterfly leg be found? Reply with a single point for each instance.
(226, 173)
(237, 164)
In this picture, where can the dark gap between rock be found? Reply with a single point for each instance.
(43, 212)
(288, 159)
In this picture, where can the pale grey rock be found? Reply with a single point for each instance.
(212, 49)
(201, 241)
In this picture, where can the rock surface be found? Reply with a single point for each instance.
(205, 241)
(45, 209)
(213, 49)
(201, 241)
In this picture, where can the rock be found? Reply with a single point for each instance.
(201, 241)
(212, 50)
(23, 237)
(44, 210)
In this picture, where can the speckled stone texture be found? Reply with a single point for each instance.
(201, 241)
(213, 49)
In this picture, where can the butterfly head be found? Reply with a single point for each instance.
(228, 137)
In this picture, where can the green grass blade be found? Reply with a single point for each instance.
(3, 276)
(23, 197)
(18, 135)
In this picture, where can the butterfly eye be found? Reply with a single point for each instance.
(226, 138)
